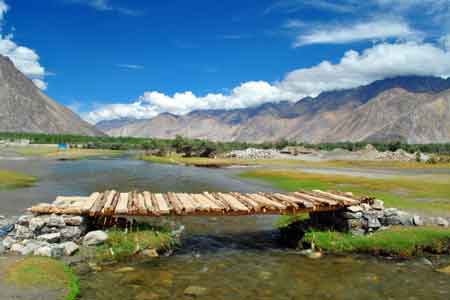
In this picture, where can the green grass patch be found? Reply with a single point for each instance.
(66, 154)
(10, 179)
(396, 241)
(40, 272)
(359, 164)
(429, 194)
(122, 245)
(195, 161)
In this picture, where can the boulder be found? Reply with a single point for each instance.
(70, 233)
(70, 248)
(24, 220)
(378, 204)
(23, 233)
(372, 222)
(36, 224)
(354, 208)
(94, 238)
(8, 242)
(365, 207)
(352, 215)
(18, 248)
(417, 221)
(50, 251)
(56, 221)
(50, 237)
(30, 247)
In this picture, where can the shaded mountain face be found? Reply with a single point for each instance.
(347, 115)
(25, 108)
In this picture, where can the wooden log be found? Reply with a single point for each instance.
(223, 204)
(176, 203)
(235, 204)
(283, 200)
(148, 203)
(189, 206)
(347, 200)
(163, 206)
(211, 205)
(87, 205)
(256, 206)
(98, 205)
(109, 207)
(122, 204)
(268, 203)
(310, 196)
(304, 203)
(141, 208)
(201, 206)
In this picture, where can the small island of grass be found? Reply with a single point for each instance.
(44, 274)
(395, 241)
(11, 179)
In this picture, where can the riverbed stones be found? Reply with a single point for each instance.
(45, 235)
(354, 208)
(94, 238)
(195, 291)
(50, 237)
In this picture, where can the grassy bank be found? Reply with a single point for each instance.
(195, 161)
(123, 245)
(43, 273)
(68, 154)
(396, 241)
(10, 179)
(357, 164)
(421, 193)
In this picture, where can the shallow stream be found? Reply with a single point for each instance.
(227, 257)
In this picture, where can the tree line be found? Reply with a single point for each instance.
(195, 147)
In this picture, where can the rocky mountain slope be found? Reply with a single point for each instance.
(385, 110)
(25, 108)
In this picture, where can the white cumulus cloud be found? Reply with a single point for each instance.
(24, 58)
(354, 69)
(374, 30)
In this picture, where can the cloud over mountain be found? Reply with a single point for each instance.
(353, 69)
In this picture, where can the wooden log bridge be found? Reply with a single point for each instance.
(113, 203)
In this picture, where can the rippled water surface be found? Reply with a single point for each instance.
(230, 257)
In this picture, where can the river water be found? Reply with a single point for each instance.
(229, 257)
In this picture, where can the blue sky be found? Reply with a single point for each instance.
(114, 58)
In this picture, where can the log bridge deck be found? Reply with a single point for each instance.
(112, 203)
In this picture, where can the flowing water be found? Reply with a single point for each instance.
(227, 257)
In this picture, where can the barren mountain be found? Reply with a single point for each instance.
(354, 114)
(25, 108)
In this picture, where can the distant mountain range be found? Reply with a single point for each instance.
(413, 109)
(25, 108)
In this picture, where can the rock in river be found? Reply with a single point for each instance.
(95, 238)
(195, 291)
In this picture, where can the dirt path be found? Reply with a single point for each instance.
(10, 292)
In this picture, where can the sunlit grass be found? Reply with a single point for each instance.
(122, 245)
(10, 179)
(195, 161)
(429, 194)
(69, 154)
(367, 164)
(40, 272)
(397, 241)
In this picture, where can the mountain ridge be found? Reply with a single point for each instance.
(25, 108)
(320, 119)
